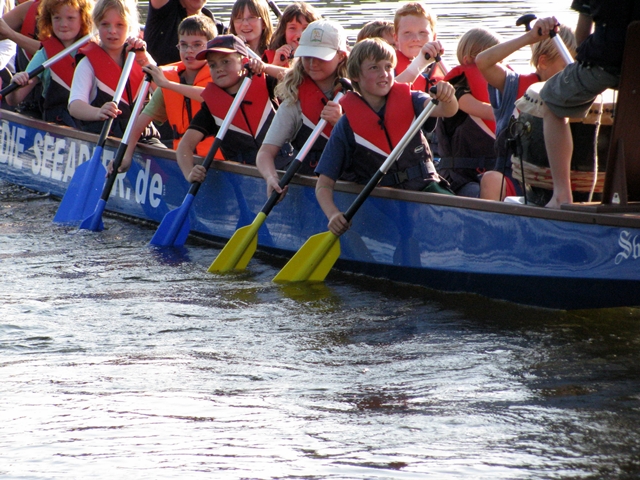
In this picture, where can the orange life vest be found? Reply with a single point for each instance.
(181, 110)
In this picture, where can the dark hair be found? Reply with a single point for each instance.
(295, 11)
(198, 24)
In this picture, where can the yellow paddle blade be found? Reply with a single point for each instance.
(313, 261)
(240, 248)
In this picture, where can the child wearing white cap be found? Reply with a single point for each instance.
(306, 92)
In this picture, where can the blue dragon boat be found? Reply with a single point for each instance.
(561, 259)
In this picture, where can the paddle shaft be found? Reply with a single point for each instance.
(226, 123)
(297, 162)
(122, 83)
(117, 161)
(395, 153)
(47, 63)
(562, 48)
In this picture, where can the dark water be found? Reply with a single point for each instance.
(119, 362)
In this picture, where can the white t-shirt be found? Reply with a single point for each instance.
(84, 86)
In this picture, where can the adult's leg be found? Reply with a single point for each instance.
(559, 145)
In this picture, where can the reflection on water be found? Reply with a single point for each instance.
(122, 361)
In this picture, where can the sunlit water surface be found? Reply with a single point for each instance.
(117, 361)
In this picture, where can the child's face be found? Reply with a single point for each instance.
(66, 23)
(413, 32)
(226, 70)
(294, 31)
(376, 78)
(190, 46)
(321, 70)
(113, 30)
(248, 26)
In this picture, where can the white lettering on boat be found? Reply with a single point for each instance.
(142, 184)
(57, 158)
(630, 247)
(12, 144)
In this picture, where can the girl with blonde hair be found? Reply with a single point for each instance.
(306, 93)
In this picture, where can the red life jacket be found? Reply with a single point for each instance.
(525, 81)
(181, 110)
(376, 137)
(250, 124)
(56, 98)
(30, 24)
(107, 74)
(477, 84)
(268, 56)
(62, 70)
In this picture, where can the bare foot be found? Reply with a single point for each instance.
(556, 203)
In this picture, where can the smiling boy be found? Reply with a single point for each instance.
(375, 119)
(226, 56)
(414, 36)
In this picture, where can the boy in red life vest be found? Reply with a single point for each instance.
(466, 140)
(414, 36)
(178, 97)
(374, 121)
(60, 24)
(226, 56)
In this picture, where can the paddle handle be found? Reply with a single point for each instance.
(226, 123)
(397, 151)
(277, 12)
(47, 63)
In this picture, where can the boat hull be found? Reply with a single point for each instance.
(527, 255)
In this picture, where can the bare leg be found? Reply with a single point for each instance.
(491, 184)
(559, 145)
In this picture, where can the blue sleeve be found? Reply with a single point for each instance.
(338, 152)
(504, 103)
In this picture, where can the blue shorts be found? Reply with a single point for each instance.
(571, 92)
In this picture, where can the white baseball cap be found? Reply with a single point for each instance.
(322, 39)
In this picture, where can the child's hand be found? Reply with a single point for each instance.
(445, 92)
(22, 79)
(158, 75)
(338, 224)
(109, 109)
(139, 46)
(256, 65)
(124, 165)
(197, 174)
(331, 112)
(433, 49)
(283, 55)
(273, 184)
(541, 29)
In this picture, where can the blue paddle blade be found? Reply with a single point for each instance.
(175, 226)
(94, 221)
(83, 192)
